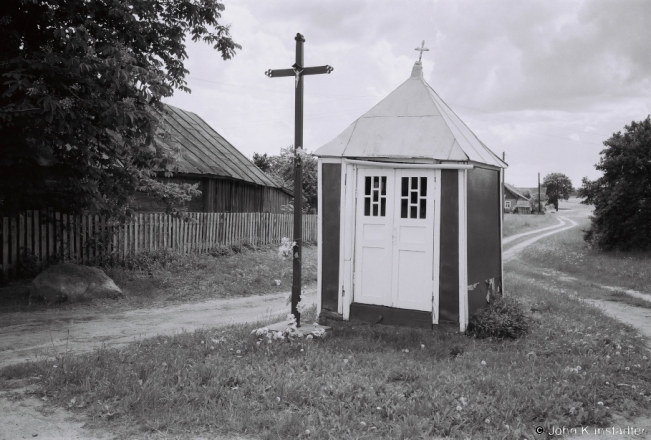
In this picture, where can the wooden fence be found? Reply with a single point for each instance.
(44, 237)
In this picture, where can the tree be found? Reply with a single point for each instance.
(80, 98)
(558, 186)
(533, 202)
(262, 161)
(281, 168)
(622, 196)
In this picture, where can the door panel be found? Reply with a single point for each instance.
(413, 242)
(373, 245)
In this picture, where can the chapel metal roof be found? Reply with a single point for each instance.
(411, 122)
(204, 151)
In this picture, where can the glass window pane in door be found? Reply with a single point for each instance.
(423, 186)
(414, 213)
(383, 206)
(403, 208)
(367, 185)
(367, 206)
(405, 186)
(423, 207)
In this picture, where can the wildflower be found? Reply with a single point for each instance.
(309, 337)
(406, 350)
(422, 346)
(345, 361)
(626, 368)
(483, 363)
(269, 341)
(203, 342)
(459, 408)
(488, 420)
(607, 356)
(363, 424)
(307, 431)
(618, 347)
(212, 348)
(164, 364)
(607, 383)
(54, 366)
(644, 357)
(238, 351)
(463, 401)
(257, 343)
(617, 353)
(302, 350)
(578, 367)
(600, 403)
(379, 409)
(277, 399)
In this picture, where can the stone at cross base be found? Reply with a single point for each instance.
(69, 282)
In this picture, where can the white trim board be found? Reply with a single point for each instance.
(432, 166)
(319, 238)
(463, 252)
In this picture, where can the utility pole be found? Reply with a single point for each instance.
(298, 72)
(539, 212)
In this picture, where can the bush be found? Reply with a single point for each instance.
(503, 318)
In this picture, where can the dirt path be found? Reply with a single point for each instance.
(27, 336)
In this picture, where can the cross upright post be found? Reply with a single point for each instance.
(298, 71)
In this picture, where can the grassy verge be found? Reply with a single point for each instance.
(164, 277)
(516, 224)
(567, 252)
(576, 367)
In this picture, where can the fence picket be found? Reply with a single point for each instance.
(14, 245)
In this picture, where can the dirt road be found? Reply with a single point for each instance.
(26, 336)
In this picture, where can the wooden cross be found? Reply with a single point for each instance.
(298, 72)
(422, 49)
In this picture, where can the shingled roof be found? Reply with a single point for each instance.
(411, 122)
(206, 152)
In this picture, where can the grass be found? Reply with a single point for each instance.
(576, 367)
(164, 277)
(567, 252)
(516, 224)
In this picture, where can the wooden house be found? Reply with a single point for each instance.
(514, 201)
(410, 230)
(229, 182)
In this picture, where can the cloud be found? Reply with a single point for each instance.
(546, 81)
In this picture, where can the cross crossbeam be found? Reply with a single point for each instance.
(298, 72)
(421, 49)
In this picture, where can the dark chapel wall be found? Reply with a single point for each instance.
(449, 267)
(331, 198)
(484, 240)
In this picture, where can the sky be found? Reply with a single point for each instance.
(543, 81)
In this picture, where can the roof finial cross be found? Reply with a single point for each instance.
(422, 49)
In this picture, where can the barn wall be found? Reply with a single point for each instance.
(484, 241)
(331, 196)
(145, 203)
(224, 195)
(449, 268)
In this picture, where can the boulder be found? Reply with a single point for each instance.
(72, 283)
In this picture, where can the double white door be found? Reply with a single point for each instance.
(394, 238)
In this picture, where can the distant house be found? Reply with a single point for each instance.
(229, 182)
(514, 201)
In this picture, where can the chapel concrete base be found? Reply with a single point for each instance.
(304, 329)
